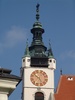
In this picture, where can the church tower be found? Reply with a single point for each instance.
(38, 65)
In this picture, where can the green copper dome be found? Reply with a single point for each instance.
(37, 25)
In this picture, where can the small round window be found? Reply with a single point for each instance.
(23, 60)
(50, 60)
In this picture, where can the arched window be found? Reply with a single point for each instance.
(39, 96)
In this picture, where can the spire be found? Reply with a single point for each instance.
(37, 24)
(37, 12)
(37, 46)
(27, 50)
(50, 53)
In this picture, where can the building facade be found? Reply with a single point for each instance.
(8, 83)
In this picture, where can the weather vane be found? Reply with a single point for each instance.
(37, 10)
(37, 7)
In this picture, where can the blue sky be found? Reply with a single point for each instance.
(16, 20)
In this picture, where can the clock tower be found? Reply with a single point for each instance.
(38, 65)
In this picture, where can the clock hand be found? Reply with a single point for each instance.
(38, 77)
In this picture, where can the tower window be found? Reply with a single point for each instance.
(50, 60)
(23, 60)
(39, 96)
(54, 61)
(28, 60)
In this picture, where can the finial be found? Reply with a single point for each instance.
(37, 6)
(27, 49)
(50, 53)
(37, 11)
(60, 71)
(49, 44)
(27, 42)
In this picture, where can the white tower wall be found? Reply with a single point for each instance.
(29, 89)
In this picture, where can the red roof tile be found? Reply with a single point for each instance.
(66, 88)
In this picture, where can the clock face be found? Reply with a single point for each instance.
(39, 78)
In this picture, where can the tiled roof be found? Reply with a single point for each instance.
(66, 88)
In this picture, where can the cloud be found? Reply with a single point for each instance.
(12, 37)
(68, 54)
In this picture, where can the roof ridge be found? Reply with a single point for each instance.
(59, 84)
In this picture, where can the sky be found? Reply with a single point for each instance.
(17, 18)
